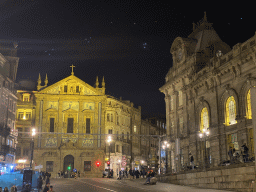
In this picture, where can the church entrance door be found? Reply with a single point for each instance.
(68, 161)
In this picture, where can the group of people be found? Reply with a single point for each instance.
(13, 189)
(235, 156)
(44, 176)
(150, 174)
(132, 173)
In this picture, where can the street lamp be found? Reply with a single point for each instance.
(165, 146)
(203, 135)
(109, 141)
(32, 146)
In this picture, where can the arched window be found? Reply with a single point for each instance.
(231, 111)
(204, 119)
(248, 105)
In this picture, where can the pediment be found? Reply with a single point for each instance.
(70, 85)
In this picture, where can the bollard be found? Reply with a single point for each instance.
(75, 175)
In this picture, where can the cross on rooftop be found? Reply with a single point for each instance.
(72, 73)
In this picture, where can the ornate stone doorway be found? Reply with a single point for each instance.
(68, 160)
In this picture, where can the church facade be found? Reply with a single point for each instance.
(207, 95)
(73, 121)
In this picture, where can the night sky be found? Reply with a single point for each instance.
(128, 43)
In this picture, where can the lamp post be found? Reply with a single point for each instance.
(165, 146)
(109, 141)
(32, 146)
(203, 135)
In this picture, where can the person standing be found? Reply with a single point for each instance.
(14, 188)
(192, 161)
(245, 152)
(39, 183)
(6, 189)
(47, 180)
(230, 154)
(47, 187)
(51, 189)
(143, 172)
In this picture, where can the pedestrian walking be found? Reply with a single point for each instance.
(133, 173)
(143, 172)
(6, 189)
(47, 180)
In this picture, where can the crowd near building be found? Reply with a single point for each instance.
(208, 99)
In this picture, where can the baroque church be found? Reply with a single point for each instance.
(208, 100)
(73, 121)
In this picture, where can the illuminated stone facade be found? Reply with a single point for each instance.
(208, 88)
(8, 69)
(73, 120)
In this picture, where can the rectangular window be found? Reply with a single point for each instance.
(27, 130)
(110, 131)
(135, 128)
(20, 115)
(117, 148)
(25, 151)
(28, 115)
(18, 151)
(88, 125)
(117, 135)
(70, 125)
(51, 124)
(87, 165)
(65, 88)
(49, 166)
(77, 89)
(19, 132)
(117, 120)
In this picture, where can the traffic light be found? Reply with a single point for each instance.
(108, 162)
(69, 168)
(97, 163)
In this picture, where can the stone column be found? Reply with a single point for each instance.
(253, 103)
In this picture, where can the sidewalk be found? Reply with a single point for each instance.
(139, 183)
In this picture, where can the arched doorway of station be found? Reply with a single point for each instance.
(68, 161)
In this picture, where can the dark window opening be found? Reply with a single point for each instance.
(65, 88)
(70, 125)
(88, 123)
(49, 166)
(51, 124)
(77, 89)
(87, 165)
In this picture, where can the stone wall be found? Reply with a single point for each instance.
(225, 178)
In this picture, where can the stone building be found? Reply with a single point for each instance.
(73, 121)
(207, 90)
(152, 129)
(8, 69)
